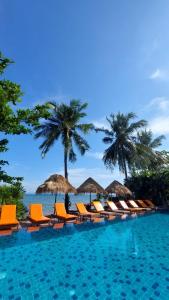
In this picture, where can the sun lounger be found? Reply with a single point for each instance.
(60, 212)
(143, 204)
(83, 212)
(8, 215)
(150, 204)
(134, 205)
(125, 206)
(36, 214)
(114, 208)
(99, 208)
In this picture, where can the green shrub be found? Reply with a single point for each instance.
(150, 185)
(13, 194)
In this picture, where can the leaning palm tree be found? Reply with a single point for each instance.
(147, 155)
(121, 138)
(64, 124)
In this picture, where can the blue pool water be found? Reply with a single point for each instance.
(113, 260)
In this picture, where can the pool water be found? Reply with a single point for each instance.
(113, 260)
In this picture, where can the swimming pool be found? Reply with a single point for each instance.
(113, 260)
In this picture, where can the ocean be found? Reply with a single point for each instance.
(47, 200)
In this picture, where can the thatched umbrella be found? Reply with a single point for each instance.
(90, 186)
(56, 184)
(118, 188)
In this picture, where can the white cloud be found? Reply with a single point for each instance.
(96, 155)
(160, 125)
(101, 123)
(160, 74)
(101, 175)
(159, 118)
(161, 103)
(31, 186)
(60, 97)
(78, 175)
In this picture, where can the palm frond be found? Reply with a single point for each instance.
(130, 116)
(81, 143)
(85, 128)
(137, 125)
(106, 131)
(107, 140)
(157, 142)
(123, 150)
(110, 156)
(47, 145)
(72, 155)
(52, 105)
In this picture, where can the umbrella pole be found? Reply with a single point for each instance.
(55, 197)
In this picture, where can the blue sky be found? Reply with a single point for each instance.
(112, 54)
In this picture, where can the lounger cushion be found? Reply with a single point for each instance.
(67, 216)
(8, 215)
(36, 213)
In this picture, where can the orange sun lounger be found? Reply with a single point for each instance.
(143, 204)
(60, 212)
(83, 212)
(99, 208)
(8, 215)
(126, 207)
(115, 209)
(134, 205)
(150, 204)
(36, 213)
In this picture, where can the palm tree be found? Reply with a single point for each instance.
(122, 140)
(148, 156)
(145, 137)
(64, 124)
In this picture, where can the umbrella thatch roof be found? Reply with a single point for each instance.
(56, 184)
(118, 188)
(90, 186)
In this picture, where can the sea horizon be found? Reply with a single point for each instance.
(47, 200)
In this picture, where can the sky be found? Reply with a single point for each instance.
(113, 54)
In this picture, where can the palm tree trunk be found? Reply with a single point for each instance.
(65, 163)
(124, 165)
(125, 170)
(66, 176)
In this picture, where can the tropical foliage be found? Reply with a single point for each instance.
(13, 120)
(65, 124)
(151, 185)
(121, 137)
(13, 194)
(131, 148)
(146, 156)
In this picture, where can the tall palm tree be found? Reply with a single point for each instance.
(121, 138)
(145, 137)
(148, 156)
(64, 124)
